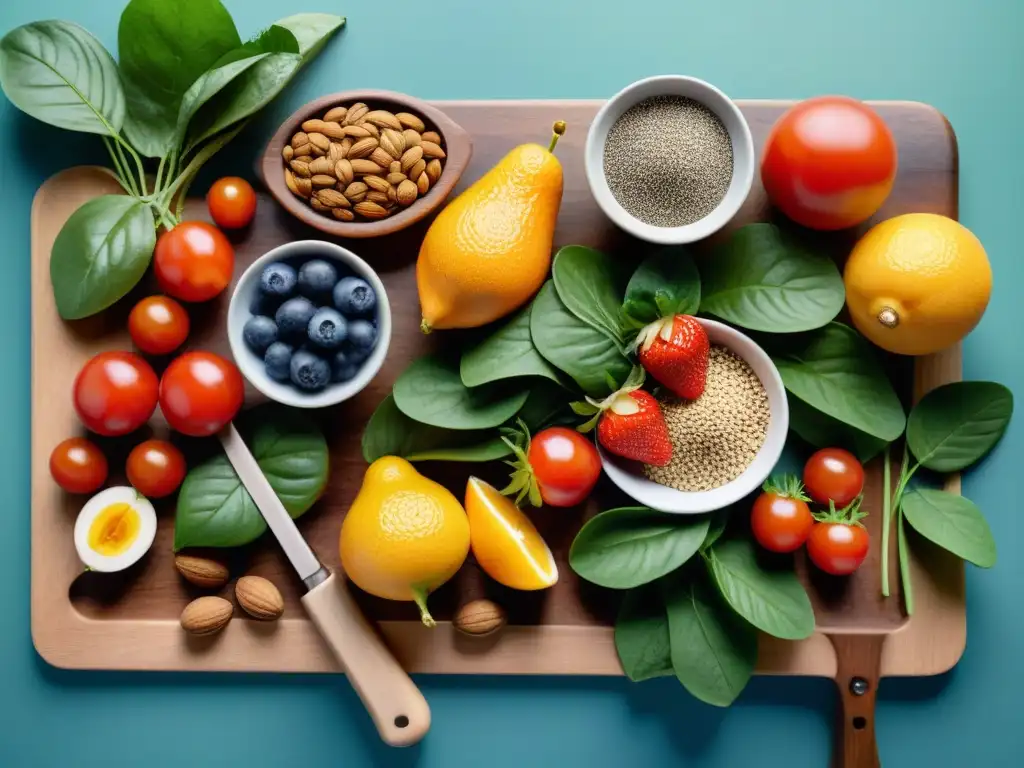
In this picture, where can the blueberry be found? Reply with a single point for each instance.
(264, 305)
(309, 372)
(278, 280)
(259, 333)
(362, 335)
(317, 278)
(354, 297)
(344, 366)
(293, 318)
(277, 361)
(327, 329)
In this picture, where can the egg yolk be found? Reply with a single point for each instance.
(114, 529)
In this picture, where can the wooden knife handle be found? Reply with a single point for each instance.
(859, 666)
(396, 705)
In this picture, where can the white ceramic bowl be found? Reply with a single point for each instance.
(742, 156)
(251, 364)
(629, 476)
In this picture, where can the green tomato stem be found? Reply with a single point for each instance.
(886, 518)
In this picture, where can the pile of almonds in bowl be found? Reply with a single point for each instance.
(361, 163)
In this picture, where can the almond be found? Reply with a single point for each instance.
(430, 149)
(259, 598)
(370, 128)
(407, 192)
(321, 165)
(432, 136)
(409, 158)
(333, 131)
(202, 571)
(381, 157)
(335, 115)
(356, 113)
(393, 143)
(318, 206)
(356, 191)
(423, 183)
(434, 170)
(299, 139)
(395, 167)
(304, 151)
(411, 121)
(304, 186)
(392, 195)
(376, 183)
(288, 153)
(356, 132)
(417, 170)
(321, 142)
(396, 177)
(343, 214)
(479, 618)
(343, 170)
(336, 152)
(412, 139)
(364, 167)
(289, 181)
(380, 198)
(369, 210)
(382, 119)
(300, 168)
(362, 148)
(332, 198)
(313, 126)
(323, 180)
(316, 150)
(346, 144)
(206, 615)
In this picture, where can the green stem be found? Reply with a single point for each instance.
(901, 537)
(125, 180)
(138, 162)
(886, 518)
(185, 178)
(557, 130)
(159, 174)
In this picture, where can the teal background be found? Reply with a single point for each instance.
(963, 56)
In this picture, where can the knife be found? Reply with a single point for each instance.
(396, 705)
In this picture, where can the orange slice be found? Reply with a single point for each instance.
(505, 543)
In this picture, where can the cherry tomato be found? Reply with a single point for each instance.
(781, 519)
(829, 162)
(155, 468)
(833, 474)
(200, 392)
(158, 325)
(115, 393)
(193, 261)
(838, 548)
(565, 465)
(78, 465)
(232, 202)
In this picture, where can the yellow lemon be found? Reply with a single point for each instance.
(404, 536)
(917, 283)
(506, 544)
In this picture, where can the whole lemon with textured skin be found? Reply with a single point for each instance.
(917, 283)
(404, 536)
(489, 250)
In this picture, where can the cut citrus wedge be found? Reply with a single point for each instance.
(505, 543)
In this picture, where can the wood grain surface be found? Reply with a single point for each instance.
(130, 621)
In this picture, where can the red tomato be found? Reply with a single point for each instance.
(200, 392)
(115, 393)
(232, 202)
(193, 261)
(833, 474)
(838, 548)
(565, 465)
(829, 162)
(155, 468)
(158, 325)
(781, 519)
(78, 465)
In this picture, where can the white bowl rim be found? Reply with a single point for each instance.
(252, 366)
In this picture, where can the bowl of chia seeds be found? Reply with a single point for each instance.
(670, 159)
(725, 443)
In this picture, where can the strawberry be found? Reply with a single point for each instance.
(674, 350)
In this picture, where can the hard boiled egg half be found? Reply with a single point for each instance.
(115, 528)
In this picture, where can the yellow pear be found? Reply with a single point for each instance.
(489, 251)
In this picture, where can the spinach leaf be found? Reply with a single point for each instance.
(953, 426)
(591, 285)
(506, 353)
(763, 280)
(163, 48)
(215, 510)
(773, 600)
(665, 284)
(822, 431)
(713, 650)
(209, 85)
(953, 522)
(835, 371)
(586, 354)
(546, 405)
(100, 254)
(641, 635)
(311, 31)
(60, 74)
(273, 39)
(630, 546)
(431, 391)
(717, 523)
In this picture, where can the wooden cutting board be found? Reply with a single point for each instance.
(131, 621)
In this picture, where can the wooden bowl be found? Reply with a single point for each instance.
(457, 145)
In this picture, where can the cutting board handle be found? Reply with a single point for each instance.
(859, 668)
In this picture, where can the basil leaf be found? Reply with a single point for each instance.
(773, 600)
(834, 370)
(506, 353)
(587, 355)
(57, 72)
(641, 635)
(215, 510)
(591, 285)
(954, 425)
(713, 650)
(163, 48)
(100, 254)
(311, 31)
(665, 284)
(822, 431)
(209, 85)
(763, 280)
(431, 391)
(630, 546)
(953, 522)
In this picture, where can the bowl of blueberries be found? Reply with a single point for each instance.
(309, 324)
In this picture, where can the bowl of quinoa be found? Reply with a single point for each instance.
(725, 443)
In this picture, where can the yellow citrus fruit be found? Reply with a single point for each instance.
(404, 536)
(505, 543)
(917, 283)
